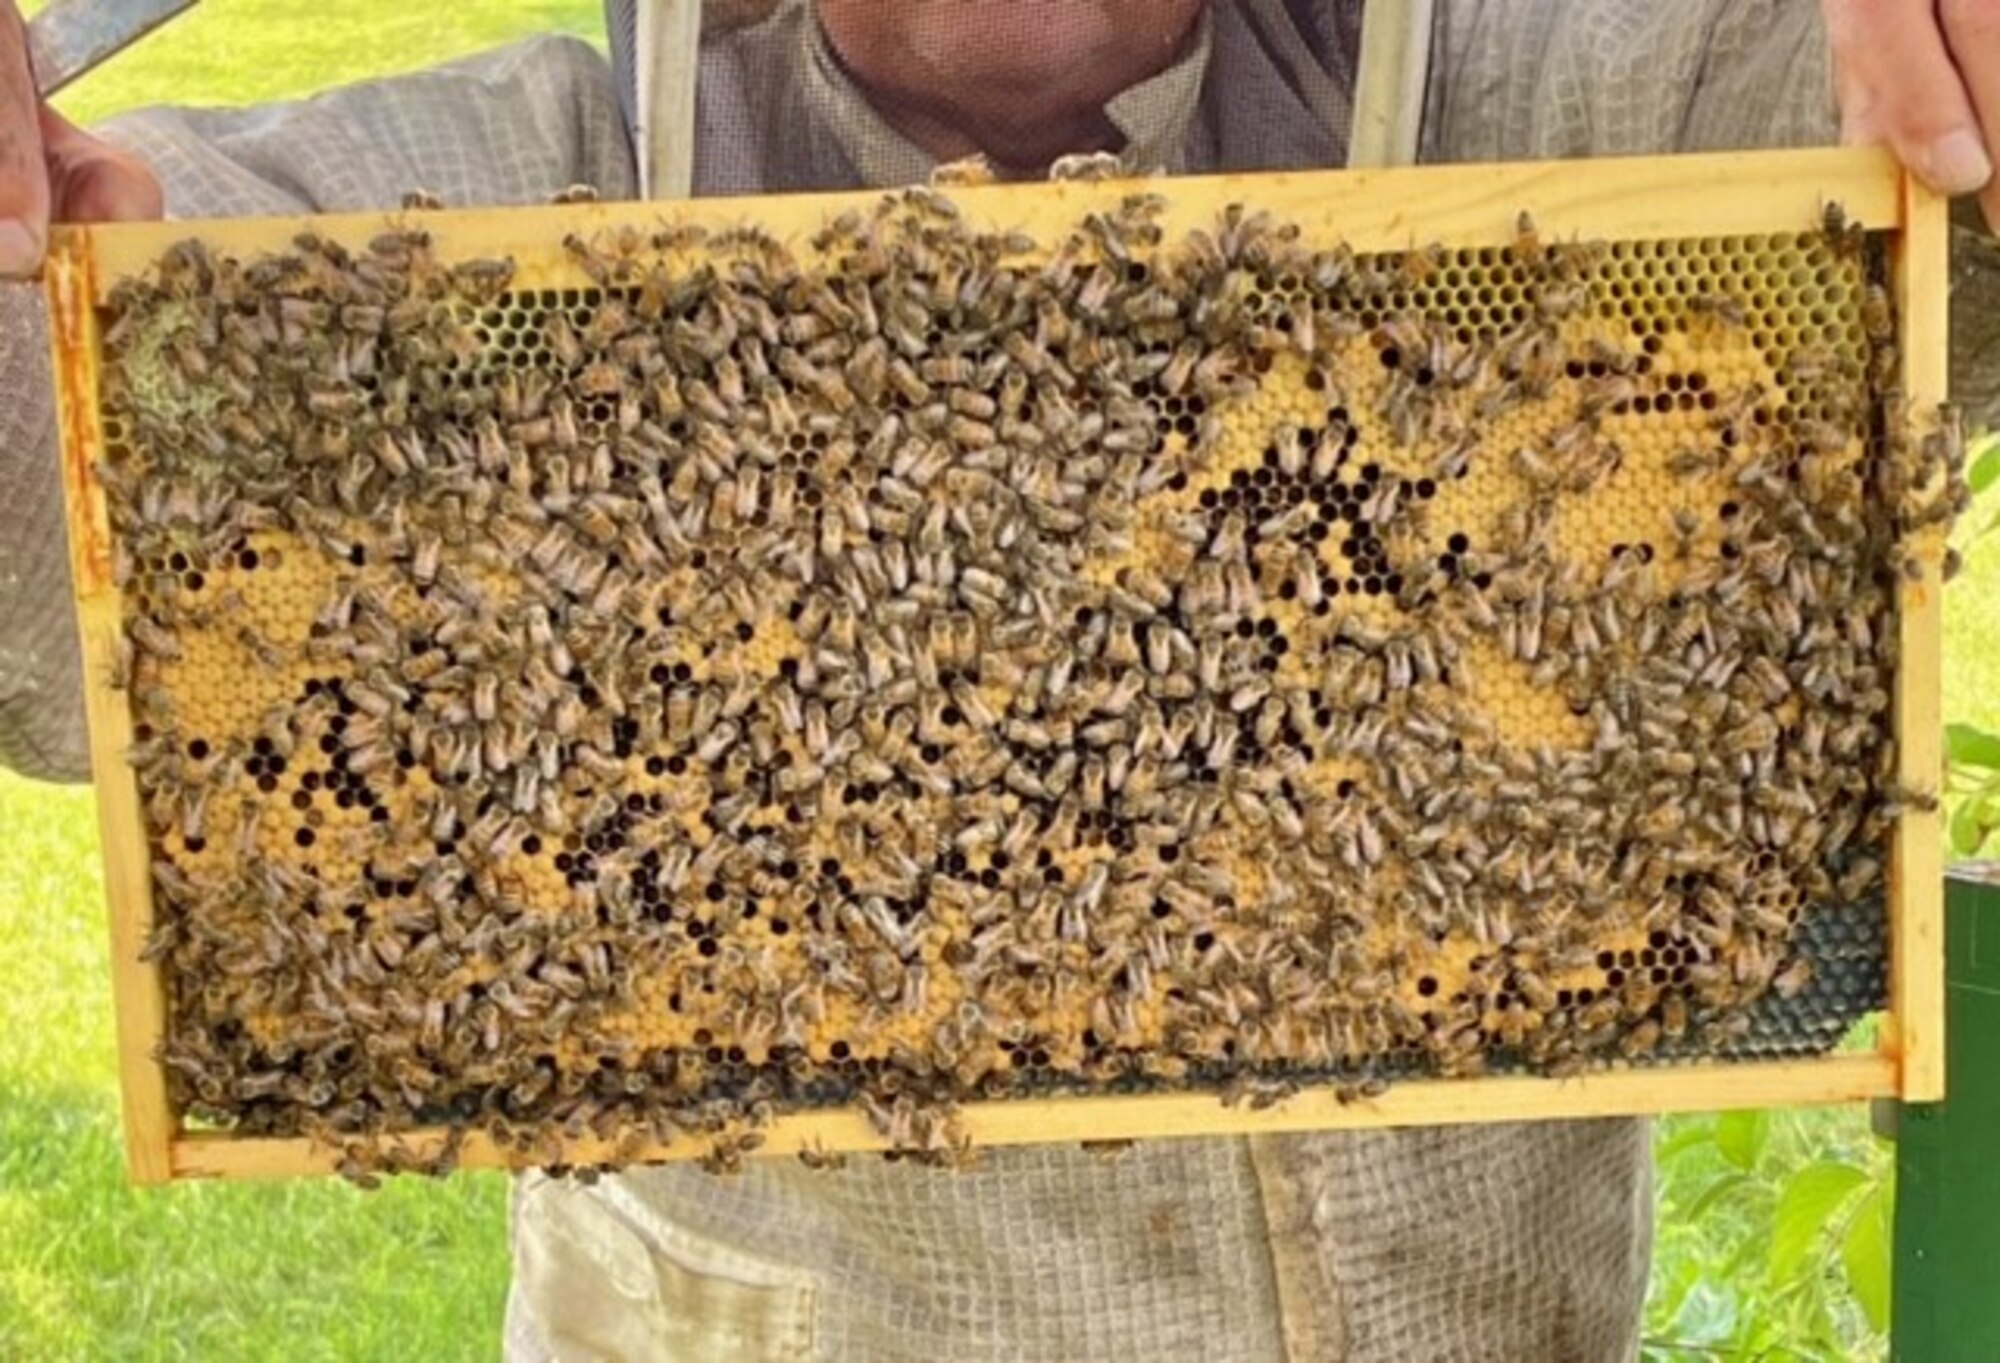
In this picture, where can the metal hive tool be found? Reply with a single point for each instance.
(669, 683)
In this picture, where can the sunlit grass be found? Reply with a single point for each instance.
(232, 52)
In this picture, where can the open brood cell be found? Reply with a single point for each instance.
(930, 663)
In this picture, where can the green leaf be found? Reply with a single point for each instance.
(1807, 1204)
(1710, 1195)
(1693, 1131)
(1966, 746)
(1968, 830)
(1741, 1135)
(1736, 1267)
(1864, 1252)
(1670, 1288)
(1985, 468)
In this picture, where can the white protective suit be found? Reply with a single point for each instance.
(1483, 1243)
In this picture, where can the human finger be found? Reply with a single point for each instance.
(1899, 86)
(24, 181)
(93, 181)
(1972, 33)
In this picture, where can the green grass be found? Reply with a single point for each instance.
(228, 52)
(90, 1268)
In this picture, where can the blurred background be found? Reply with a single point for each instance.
(1773, 1228)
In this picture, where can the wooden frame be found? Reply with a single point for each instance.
(1388, 209)
(1915, 1030)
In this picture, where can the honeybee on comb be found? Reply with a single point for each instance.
(951, 666)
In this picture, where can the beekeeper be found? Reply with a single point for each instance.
(1524, 1242)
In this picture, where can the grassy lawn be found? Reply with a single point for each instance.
(226, 52)
(92, 1269)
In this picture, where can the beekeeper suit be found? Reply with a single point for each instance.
(1522, 1242)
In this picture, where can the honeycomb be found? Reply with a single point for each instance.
(923, 663)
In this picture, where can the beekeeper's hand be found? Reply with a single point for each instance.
(50, 169)
(1923, 78)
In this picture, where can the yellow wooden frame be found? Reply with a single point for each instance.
(1372, 210)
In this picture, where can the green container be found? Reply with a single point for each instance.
(1947, 1279)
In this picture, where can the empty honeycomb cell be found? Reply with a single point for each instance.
(849, 676)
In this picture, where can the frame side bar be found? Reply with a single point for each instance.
(149, 1125)
(1915, 1031)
